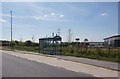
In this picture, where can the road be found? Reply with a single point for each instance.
(13, 66)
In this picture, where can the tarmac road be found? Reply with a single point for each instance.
(13, 66)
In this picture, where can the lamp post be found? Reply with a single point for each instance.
(11, 28)
(86, 42)
(77, 40)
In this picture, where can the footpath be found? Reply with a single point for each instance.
(104, 64)
(99, 63)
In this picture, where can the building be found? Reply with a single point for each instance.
(113, 41)
(95, 44)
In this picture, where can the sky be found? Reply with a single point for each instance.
(59, 0)
(91, 20)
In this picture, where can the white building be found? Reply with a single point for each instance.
(113, 41)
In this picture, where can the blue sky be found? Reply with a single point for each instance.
(92, 20)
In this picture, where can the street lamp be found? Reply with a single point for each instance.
(11, 28)
(77, 40)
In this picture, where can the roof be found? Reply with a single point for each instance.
(52, 38)
(95, 42)
(112, 37)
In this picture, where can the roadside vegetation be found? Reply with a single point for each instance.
(99, 53)
(23, 46)
(106, 54)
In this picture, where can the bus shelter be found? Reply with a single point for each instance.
(50, 45)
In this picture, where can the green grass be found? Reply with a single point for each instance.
(26, 48)
(94, 53)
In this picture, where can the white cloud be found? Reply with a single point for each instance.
(38, 17)
(61, 16)
(52, 14)
(41, 17)
(2, 20)
(6, 15)
(103, 14)
(48, 18)
(45, 15)
(41, 9)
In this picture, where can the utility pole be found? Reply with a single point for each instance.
(20, 39)
(58, 31)
(11, 27)
(33, 38)
(69, 36)
(77, 40)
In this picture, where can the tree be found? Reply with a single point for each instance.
(17, 43)
(13, 43)
(28, 43)
(21, 43)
